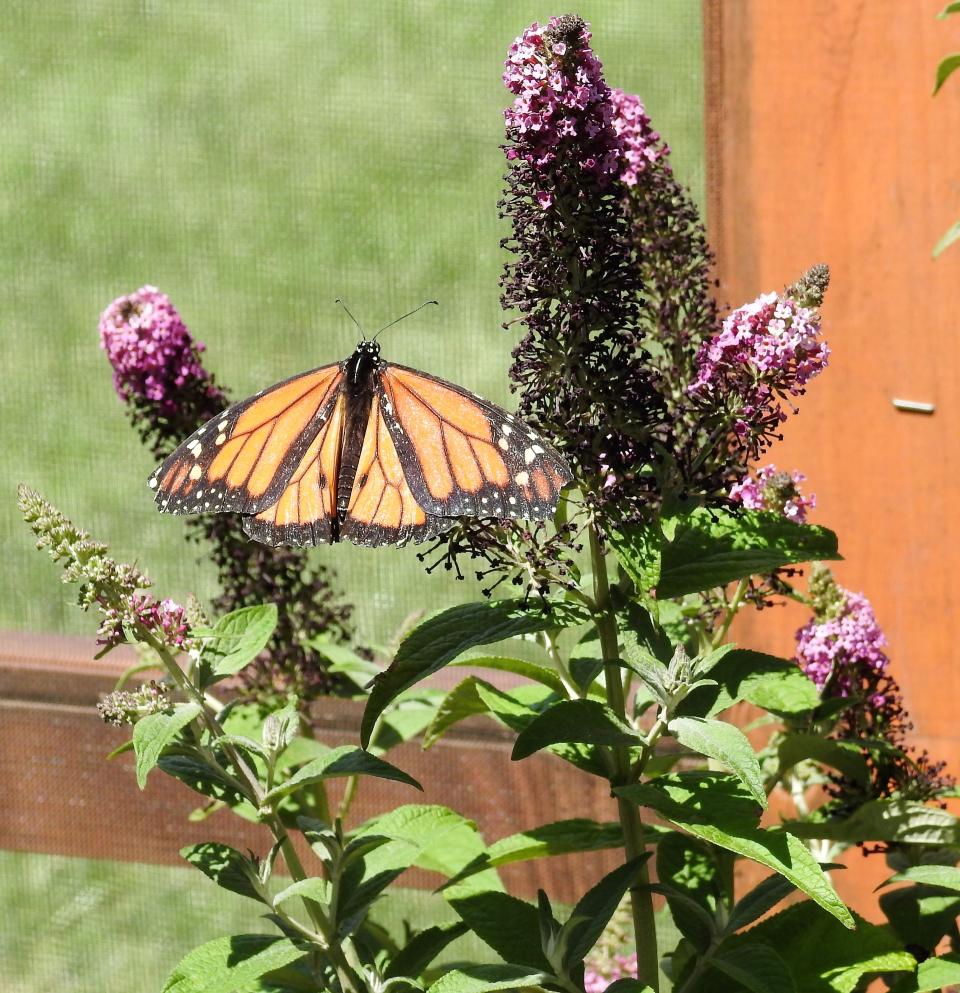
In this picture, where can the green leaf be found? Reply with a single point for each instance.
(422, 949)
(777, 685)
(485, 978)
(236, 640)
(461, 702)
(342, 761)
(757, 968)
(534, 671)
(933, 975)
(558, 838)
(313, 888)
(724, 743)
(510, 926)
(226, 867)
(947, 239)
(443, 636)
(844, 756)
(152, 734)
(946, 877)
(637, 548)
(827, 957)
(409, 714)
(905, 821)
(719, 810)
(763, 897)
(951, 8)
(577, 721)
(714, 547)
(593, 911)
(230, 965)
(921, 917)
(945, 70)
(687, 871)
(628, 986)
(201, 777)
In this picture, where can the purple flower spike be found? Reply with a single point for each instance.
(152, 353)
(641, 146)
(775, 491)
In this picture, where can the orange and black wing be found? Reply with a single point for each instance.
(244, 459)
(382, 509)
(462, 455)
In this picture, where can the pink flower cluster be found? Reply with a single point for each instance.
(165, 619)
(775, 491)
(562, 108)
(152, 353)
(842, 645)
(767, 349)
(641, 144)
(622, 967)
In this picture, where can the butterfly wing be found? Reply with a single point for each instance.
(462, 455)
(382, 509)
(244, 459)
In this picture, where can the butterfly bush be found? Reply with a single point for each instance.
(169, 394)
(842, 648)
(776, 491)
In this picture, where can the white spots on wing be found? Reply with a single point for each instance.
(222, 426)
(483, 499)
(522, 478)
(152, 482)
(506, 430)
(537, 450)
(513, 499)
(221, 438)
(531, 436)
(196, 472)
(529, 455)
(194, 447)
(504, 444)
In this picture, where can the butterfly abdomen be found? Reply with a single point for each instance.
(358, 392)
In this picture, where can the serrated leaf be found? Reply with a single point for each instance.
(152, 734)
(226, 867)
(905, 821)
(236, 640)
(946, 877)
(533, 671)
(443, 636)
(593, 911)
(713, 547)
(720, 810)
(558, 838)
(827, 957)
(312, 888)
(637, 549)
(574, 721)
(486, 978)
(726, 744)
(231, 965)
(763, 897)
(757, 968)
(932, 976)
(201, 777)
(417, 954)
(945, 70)
(844, 756)
(510, 926)
(777, 685)
(338, 762)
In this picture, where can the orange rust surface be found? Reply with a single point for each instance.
(825, 145)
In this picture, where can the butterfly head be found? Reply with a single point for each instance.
(368, 349)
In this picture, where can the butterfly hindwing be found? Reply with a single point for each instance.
(464, 456)
(243, 459)
(305, 511)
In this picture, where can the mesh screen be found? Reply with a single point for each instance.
(254, 161)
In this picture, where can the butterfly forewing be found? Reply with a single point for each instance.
(243, 459)
(464, 456)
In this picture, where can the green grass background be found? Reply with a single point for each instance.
(256, 160)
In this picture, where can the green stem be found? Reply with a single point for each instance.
(349, 793)
(735, 603)
(641, 899)
(348, 977)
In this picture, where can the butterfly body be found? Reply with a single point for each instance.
(361, 450)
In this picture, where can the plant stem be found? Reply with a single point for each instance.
(735, 603)
(641, 900)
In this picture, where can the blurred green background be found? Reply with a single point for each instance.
(255, 161)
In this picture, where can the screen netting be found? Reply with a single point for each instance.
(254, 161)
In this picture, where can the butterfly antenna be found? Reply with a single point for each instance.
(405, 316)
(352, 318)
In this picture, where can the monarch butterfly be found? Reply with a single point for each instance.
(365, 451)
